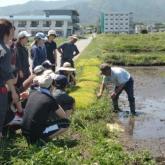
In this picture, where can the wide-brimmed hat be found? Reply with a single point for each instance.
(52, 32)
(40, 36)
(66, 67)
(23, 34)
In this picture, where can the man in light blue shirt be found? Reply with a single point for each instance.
(122, 81)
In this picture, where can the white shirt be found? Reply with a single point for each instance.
(119, 76)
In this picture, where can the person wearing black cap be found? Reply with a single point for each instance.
(48, 65)
(122, 81)
(63, 99)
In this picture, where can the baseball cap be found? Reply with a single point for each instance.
(61, 81)
(41, 36)
(38, 69)
(52, 32)
(23, 34)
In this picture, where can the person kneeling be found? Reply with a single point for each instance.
(36, 124)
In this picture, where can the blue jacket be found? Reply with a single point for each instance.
(38, 55)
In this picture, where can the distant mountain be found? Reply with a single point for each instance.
(144, 10)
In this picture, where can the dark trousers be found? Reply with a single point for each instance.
(3, 109)
(129, 89)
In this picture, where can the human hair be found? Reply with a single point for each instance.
(104, 67)
(5, 27)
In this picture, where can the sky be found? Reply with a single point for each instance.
(13, 2)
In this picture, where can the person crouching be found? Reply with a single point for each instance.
(40, 104)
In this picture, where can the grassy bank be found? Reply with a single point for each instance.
(132, 50)
(89, 141)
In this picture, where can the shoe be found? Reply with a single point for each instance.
(16, 121)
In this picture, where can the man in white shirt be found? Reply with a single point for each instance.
(122, 81)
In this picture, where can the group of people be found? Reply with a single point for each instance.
(35, 99)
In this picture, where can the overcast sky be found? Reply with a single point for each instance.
(13, 2)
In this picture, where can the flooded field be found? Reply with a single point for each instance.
(147, 130)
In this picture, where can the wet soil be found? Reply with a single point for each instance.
(147, 129)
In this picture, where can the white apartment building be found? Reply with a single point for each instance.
(117, 22)
(63, 24)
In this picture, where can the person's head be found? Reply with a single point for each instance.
(48, 65)
(51, 35)
(73, 39)
(105, 69)
(6, 31)
(61, 82)
(23, 37)
(40, 39)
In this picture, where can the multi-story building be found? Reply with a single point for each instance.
(64, 22)
(116, 23)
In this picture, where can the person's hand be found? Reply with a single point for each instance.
(21, 74)
(99, 95)
(15, 97)
(24, 95)
(113, 95)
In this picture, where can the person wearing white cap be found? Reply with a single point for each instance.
(36, 124)
(51, 47)
(68, 51)
(22, 57)
(38, 51)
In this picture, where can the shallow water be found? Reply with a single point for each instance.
(147, 129)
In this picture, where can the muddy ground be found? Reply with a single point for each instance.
(147, 130)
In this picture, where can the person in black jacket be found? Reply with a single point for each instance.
(22, 60)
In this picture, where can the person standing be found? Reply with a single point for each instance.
(38, 51)
(51, 47)
(68, 51)
(22, 60)
(122, 81)
(6, 78)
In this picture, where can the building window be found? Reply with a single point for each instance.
(21, 23)
(46, 23)
(34, 23)
(59, 23)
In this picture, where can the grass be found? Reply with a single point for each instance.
(88, 141)
(131, 50)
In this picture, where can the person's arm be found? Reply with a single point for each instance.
(117, 91)
(60, 49)
(102, 87)
(76, 51)
(55, 53)
(15, 96)
(19, 62)
(61, 113)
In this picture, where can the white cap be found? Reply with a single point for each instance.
(52, 32)
(23, 34)
(38, 69)
(45, 81)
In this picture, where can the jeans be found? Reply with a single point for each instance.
(129, 88)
